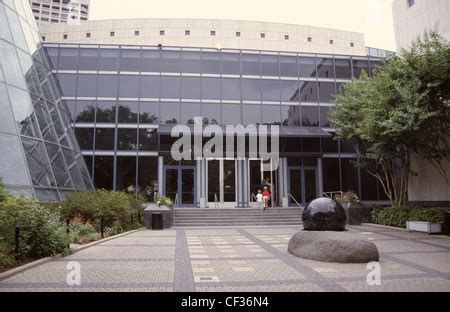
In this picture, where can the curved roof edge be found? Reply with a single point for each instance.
(209, 33)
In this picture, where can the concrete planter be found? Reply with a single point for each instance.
(353, 212)
(167, 215)
(426, 227)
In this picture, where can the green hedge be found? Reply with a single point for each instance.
(397, 216)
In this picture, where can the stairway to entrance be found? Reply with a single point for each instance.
(186, 217)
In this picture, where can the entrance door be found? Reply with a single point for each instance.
(180, 184)
(302, 184)
(259, 176)
(221, 182)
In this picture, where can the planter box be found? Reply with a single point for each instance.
(426, 227)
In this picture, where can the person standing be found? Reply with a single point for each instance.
(260, 199)
(266, 196)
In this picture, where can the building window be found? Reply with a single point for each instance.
(43, 38)
(286, 37)
(238, 34)
(411, 3)
(213, 32)
(331, 41)
(263, 35)
(112, 34)
(309, 39)
(187, 32)
(88, 35)
(136, 33)
(352, 44)
(161, 33)
(65, 36)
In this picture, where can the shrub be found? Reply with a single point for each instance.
(162, 200)
(435, 214)
(397, 216)
(42, 232)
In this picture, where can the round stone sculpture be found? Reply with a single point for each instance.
(330, 246)
(324, 214)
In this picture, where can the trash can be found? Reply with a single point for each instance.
(447, 223)
(157, 221)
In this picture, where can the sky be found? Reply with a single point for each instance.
(371, 17)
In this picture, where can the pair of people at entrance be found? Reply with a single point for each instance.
(263, 197)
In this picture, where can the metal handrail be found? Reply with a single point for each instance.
(175, 205)
(290, 195)
(341, 193)
(217, 206)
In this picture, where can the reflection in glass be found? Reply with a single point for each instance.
(151, 61)
(13, 169)
(210, 88)
(148, 139)
(288, 66)
(349, 175)
(324, 116)
(359, 66)
(170, 87)
(39, 168)
(170, 113)
(85, 111)
(6, 119)
(10, 65)
(307, 66)
(211, 63)
(326, 91)
(189, 111)
(24, 112)
(290, 115)
(127, 139)
(149, 113)
(171, 62)
(85, 138)
(103, 172)
(251, 114)
(229, 181)
(343, 68)
(325, 68)
(68, 59)
(128, 112)
(308, 91)
(191, 62)
(331, 180)
(231, 114)
(68, 84)
(147, 183)
(289, 90)
(59, 168)
(211, 114)
(230, 64)
(271, 115)
(310, 116)
(126, 174)
(104, 139)
(106, 112)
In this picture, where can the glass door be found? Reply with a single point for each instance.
(221, 182)
(302, 184)
(180, 184)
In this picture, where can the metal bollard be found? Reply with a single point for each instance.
(102, 224)
(17, 240)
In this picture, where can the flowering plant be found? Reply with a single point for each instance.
(163, 201)
(347, 197)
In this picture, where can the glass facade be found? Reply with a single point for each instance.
(119, 96)
(39, 153)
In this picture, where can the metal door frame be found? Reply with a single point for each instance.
(179, 181)
(221, 181)
(302, 176)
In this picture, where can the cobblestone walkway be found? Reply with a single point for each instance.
(240, 259)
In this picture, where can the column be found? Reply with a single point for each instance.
(160, 174)
(320, 176)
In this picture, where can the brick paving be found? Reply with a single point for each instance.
(240, 259)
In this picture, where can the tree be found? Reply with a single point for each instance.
(402, 110)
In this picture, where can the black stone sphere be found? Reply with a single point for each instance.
(324, 214)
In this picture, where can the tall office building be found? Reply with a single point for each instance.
(60, 11)
(413, 17)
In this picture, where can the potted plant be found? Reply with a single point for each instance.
(351, 204)
(428, 220)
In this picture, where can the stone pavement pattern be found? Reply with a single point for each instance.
(240, 259)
